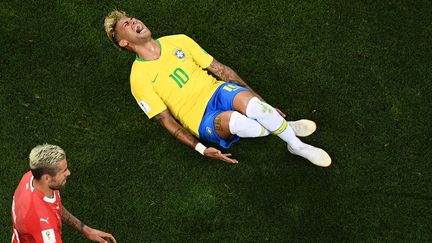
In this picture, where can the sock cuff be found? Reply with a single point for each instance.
(281, 128)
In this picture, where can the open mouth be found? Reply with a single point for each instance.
(139, 28)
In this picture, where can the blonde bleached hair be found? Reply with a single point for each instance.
(44, 159)
(110, 23)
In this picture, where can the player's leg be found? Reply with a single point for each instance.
(230, 123)
(246, 103)
(221, 124)
(243, 126)
(301, 128)
(227, 127)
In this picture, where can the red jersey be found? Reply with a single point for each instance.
(36, 218)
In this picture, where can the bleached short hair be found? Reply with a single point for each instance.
(110, 23)
(44, 159)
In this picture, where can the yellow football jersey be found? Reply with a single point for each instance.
(175, 81)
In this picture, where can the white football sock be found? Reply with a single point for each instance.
(245, 127)
(269, 118)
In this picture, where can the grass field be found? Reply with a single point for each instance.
(361, 69)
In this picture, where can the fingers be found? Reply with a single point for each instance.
(217, 154)
(100, 240)
(226, 158)
(107, 237)
(229, 160)
(110, 238)
(103, 237)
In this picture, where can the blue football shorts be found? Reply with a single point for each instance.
(222, 100)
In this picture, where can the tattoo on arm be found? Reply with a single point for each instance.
(227, 74)
(178, 132)
(174, 128)
(185, 137)
(72, 221)
(219, 70)
(160, 118)
(241, 83)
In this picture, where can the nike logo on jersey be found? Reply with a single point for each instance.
(154, 80)
(44, 220)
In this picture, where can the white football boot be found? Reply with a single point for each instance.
(303, 127)
(315, 155)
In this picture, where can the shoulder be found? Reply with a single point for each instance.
(175, 38)
(30, 209)
(141, 77)
(138, 70)
(23, 192)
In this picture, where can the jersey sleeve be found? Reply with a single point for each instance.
(145, 96)
(198, 54)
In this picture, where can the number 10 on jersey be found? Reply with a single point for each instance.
(180, 77)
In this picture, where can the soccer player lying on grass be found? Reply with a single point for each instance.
(169, 83)
(37, 210)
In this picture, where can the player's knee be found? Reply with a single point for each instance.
(221, 124)
(243, 126)
(235, 122)
(258, 109)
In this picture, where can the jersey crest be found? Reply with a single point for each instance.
(179, 54)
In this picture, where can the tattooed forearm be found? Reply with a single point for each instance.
(185, 137)
(72, 221)
(160, 118)
(240, 82)
(174, 128)
(228, 75)
(179, 131)
(219, 70)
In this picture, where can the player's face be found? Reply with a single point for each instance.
(59, 180)
(131, 30)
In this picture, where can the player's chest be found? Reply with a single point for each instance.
(174, 70)
(56, 212)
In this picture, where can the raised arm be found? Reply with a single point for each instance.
(227, 74)
(181, 134)
(90, 233)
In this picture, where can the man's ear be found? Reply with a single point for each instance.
(45, 178)
(123, 43)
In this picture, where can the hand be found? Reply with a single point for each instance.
(97, 235)
(280, 113)
(217, 154)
